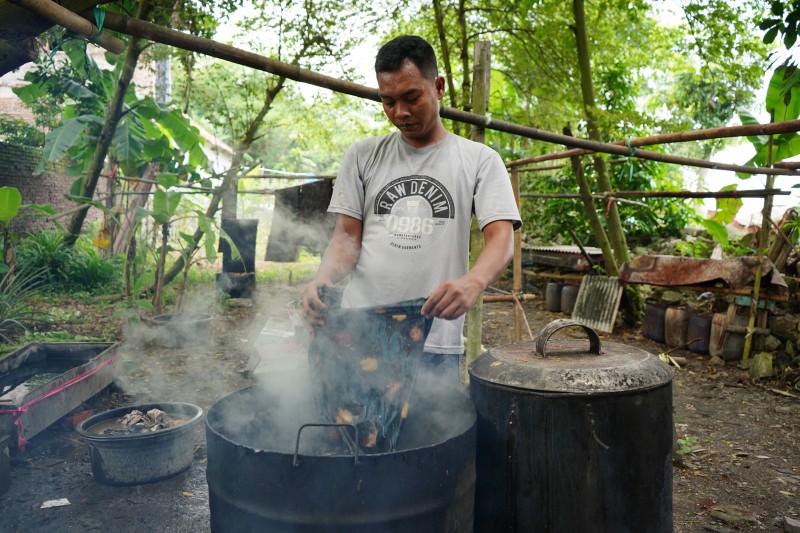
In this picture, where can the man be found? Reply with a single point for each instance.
(404, 204)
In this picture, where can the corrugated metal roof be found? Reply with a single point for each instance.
(565, 249)
(597, 302)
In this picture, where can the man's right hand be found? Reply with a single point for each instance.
(313, 307)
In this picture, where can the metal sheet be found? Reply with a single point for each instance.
(84, 369)
(569, 257)
(735, 273)
(597, 303)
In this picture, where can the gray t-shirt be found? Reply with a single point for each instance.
(416, 207)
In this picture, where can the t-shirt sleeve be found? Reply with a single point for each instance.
(348, 189)
(494, 197)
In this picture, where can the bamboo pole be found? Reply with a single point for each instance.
(787, 126)
(480, 102)
(493, 298)
(517, 262)
(667, 194)
(763, 236)
(73, 22)
(159, 34)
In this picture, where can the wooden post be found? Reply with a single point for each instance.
(480, 103)
(517, 264)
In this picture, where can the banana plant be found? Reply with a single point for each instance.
(783, 103)
(10, 202)
(147, 132)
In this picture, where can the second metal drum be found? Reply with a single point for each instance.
(572, 440)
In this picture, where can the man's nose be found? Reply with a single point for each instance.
(401, 110)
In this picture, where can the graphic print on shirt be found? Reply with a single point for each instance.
(414, 211)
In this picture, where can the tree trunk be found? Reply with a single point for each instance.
(197, 236)
(127, 224)
(594, 220)
(113, 115)
(231, 191)
(633, 299)
(615, 232)
(158, 293)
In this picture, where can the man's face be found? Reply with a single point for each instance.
(411, 102)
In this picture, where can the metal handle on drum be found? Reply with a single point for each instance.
(296, 463)
(555, 325)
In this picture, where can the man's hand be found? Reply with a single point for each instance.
(339, 259)
(313, 306)
(452, 298)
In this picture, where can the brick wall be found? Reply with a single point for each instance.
(17, 165)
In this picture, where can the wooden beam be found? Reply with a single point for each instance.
(73, 22)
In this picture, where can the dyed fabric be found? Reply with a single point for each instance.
(364, 363)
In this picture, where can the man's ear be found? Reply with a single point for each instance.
(439, 84)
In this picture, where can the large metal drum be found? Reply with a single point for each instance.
(266, 474)
(572, 439)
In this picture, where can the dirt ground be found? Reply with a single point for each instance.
(741, 472)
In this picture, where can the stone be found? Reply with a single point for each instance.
(772, 343)
(671, 297)
(790, 349)
(791, 525)
(786, 327)
(761, 366)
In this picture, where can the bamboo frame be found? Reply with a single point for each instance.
(668, 194)
(155, 33)
(159, 34)
(788, 126)
(73, 22)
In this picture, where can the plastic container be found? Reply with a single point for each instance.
(733, 347)
(653, 323)
(699, 331)
(676, 323)
(569, 294)
(716, 340)
(552, 297)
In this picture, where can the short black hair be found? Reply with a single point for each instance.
(416, 49)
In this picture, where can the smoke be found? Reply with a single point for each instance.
(194, 356)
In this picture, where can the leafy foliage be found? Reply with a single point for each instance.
(552, 219)
(16, 288)
(782, 19)
(147, 131)
(59, 267)
(20, 132)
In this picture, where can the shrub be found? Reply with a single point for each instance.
(16, 288)
(61, 268)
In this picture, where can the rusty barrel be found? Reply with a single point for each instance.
(572, 439)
